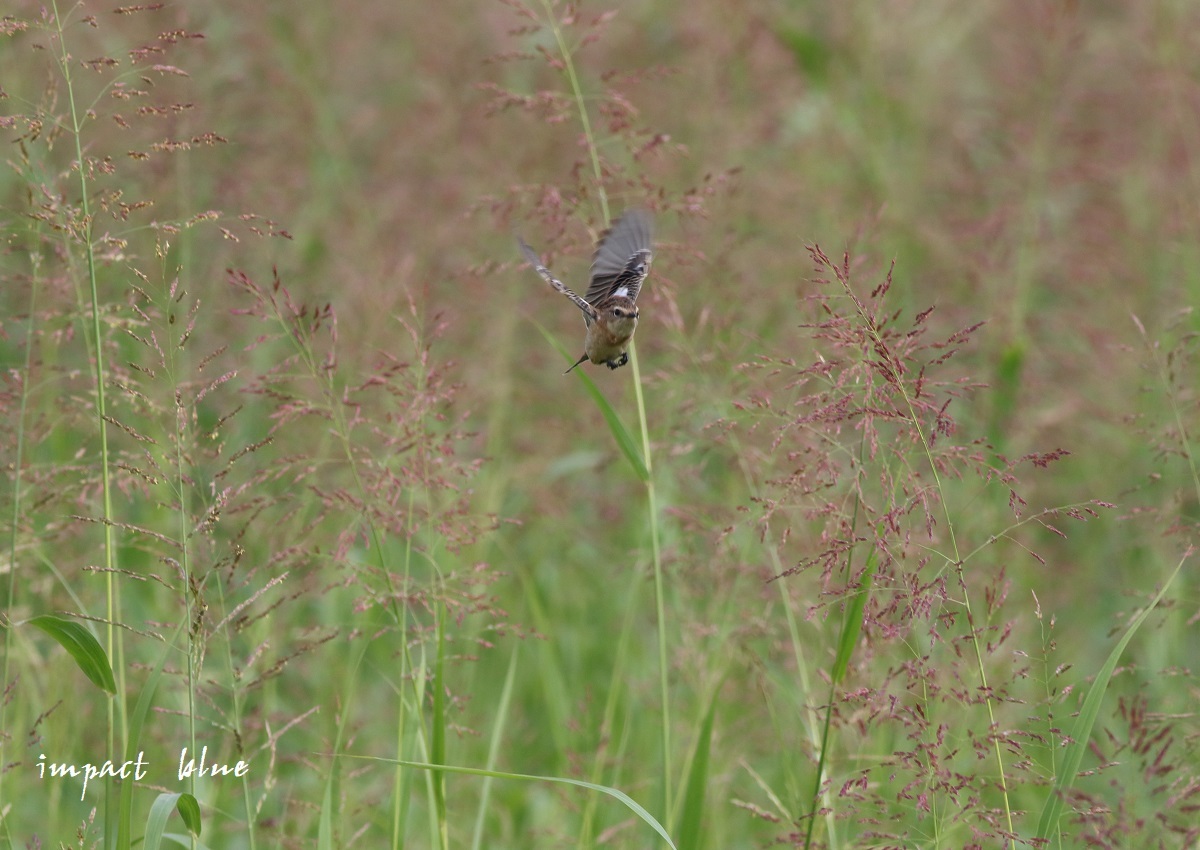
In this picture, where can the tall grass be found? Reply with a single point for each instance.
(902, 576)
(235, 532)
(618, 171)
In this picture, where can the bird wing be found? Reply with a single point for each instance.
(589, 312)
(622, 258)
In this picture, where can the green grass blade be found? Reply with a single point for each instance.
(156, 821)
(852, 625)
(137, 722)
(691, 832)
(89, 655)
(437, 749)
(847, 643)
(628, 801)
(497, 738)
(624, 439)
(1081, 733)
(189, 811)
(186, 841)
(160, 813)
(325, 818)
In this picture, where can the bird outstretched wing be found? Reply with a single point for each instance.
(622, 258)
(589, 312)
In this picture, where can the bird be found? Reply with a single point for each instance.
(619, 268)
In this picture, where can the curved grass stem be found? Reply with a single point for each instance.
(651, 498)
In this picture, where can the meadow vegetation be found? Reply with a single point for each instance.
(882, 539)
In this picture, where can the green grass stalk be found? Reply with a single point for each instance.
(631, 804)
(503, 706)
(615, 692)
(15, 520)
(1081, 731)
(651, 498)
(659, 592)
(115, 714)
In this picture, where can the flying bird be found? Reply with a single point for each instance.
(619, 267)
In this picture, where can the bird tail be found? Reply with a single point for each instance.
(577, 362)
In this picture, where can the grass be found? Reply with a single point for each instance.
(882, 546)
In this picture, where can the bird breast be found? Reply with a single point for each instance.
(620, 328)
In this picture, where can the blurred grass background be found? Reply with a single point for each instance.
(1032, 165)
